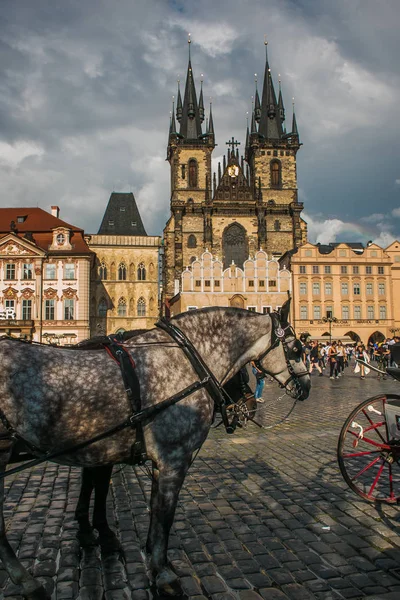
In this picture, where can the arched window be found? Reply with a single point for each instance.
(234, 245)
(103, 308)
(192, 242)
(103, 271)
(275, 173)
(141, 307)
(141, 272)
(122, 307)
(192, 173)
(122, 272)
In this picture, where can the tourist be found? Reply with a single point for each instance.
(332, 358)
(361, 354)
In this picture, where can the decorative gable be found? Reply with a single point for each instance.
(11, 245)
(61, 239)
(233, 185)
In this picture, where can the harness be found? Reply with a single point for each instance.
(207, 380)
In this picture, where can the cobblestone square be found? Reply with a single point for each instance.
(264, 514)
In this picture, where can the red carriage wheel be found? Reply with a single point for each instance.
(369, 449)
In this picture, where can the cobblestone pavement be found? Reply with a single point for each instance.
(263, 514)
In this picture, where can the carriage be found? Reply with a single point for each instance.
(369, 444)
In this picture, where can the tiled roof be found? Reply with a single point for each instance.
(37, 227)
(122, 216)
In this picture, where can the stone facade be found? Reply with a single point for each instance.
(250, 204)
(44, 277)
(124, 283)
(260, 286)
(355, 285)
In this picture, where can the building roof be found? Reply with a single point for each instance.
(36, 225)
(122, 216)
(358, 247)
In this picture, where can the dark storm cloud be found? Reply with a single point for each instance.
(86, 90)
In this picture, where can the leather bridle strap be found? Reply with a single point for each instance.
(212, 385)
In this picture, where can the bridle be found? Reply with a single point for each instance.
(292, 352)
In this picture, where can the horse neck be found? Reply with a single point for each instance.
(226, 339)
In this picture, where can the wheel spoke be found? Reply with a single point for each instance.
(365, 453)
(369, 441)
(378, 475)
(371, 464)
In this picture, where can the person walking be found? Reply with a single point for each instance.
(314, 358)
(259, 375)
(361, 354)
(340, 358)
(332, 358)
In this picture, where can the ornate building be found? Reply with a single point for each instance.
(356, 286)
(124, 279)
(261, 285)
(44, 277)
(250, 204)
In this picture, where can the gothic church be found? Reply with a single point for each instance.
(250, 204)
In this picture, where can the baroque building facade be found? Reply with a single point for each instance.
(125, 274)
(45, 268)
(260, 286)
(250, 204)
(357, 286)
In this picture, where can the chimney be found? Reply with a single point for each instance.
(55, 211)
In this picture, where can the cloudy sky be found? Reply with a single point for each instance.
(86, 88)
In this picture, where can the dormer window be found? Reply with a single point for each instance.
(60, 239)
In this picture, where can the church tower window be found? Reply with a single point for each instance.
(192, 173)
(192, 242)
(122, 272)
(277, 225)
(275, 173)
(234, 245)
(103, 271)
(141, 307)
(122, 307)
(141, 272)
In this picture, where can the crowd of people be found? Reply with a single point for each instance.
(334, 357)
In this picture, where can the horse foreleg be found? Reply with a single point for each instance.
(167, 484)
(107, 538)
(85, 533)
(31, 589)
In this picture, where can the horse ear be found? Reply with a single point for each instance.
(284, 311)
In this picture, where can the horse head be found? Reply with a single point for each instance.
(283, 359)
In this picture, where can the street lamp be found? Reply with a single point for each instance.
(329, 319)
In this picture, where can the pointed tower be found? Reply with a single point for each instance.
(189, 154)
(271, 155)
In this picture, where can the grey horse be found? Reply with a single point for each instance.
(56, 398)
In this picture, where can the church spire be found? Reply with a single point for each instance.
(280, 102)
(172, 127)
(179, 110)
(191, 112)
(270, 121)
(294, 123)
(210, 129)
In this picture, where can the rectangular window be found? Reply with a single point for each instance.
(49, 310)
(327, 269)
(369, 289)
(261, 283)
(27, 271)
(315, 269)
(329, 311)
(303, 312)
(343, 269)
(368, 270)
(370, 311)
(266, 310)
(316, 290)
(207, 283)
(345, 312)
(357, 312)
(198, 283)
(50, 271)
(69, 271)
(303, 288)
(26, 310)
(328, 288)
(272, 283)
(10, 271)
(317, 312)
(302, 269)
(68, 309)
(382, 311)
(216, 283)
(10, 305)
(356, 289)
(356, 270)
(345, 288)
(251, 283)
(381, 289)
(252, 308)
(381, 270)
